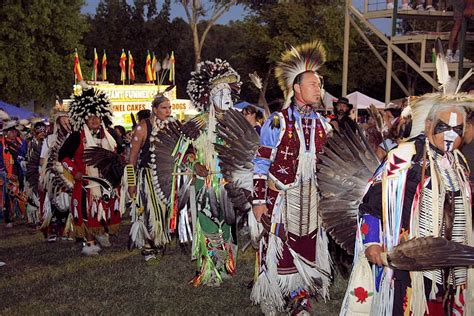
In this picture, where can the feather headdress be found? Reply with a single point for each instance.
(418, 108)
(89, 102)
(306, 57)
(207, 76)
(160, 97)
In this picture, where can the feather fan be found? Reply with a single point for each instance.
(32, 165)
(109, 163)
(240, 144)
(193, 128)
(374, 112)
(348, 162)
(162, 163)
(429, 253)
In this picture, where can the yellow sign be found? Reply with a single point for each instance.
(126, 99)
(179, 106)
(136, 92)
(132, 107)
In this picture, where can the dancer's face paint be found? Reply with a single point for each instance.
(221, 96)
(448, 131)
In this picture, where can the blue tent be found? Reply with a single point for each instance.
(15, 111)
(241, 105)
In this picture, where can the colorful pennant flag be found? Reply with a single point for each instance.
(153, 67)
(104, 67)
(148, 71)
(122, 63)
(77, 67)
(172, 71)
(95, 72)
(131, 65)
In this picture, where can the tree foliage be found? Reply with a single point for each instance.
(196, 12)
(37, 45)
(267, 32)
(38, 42)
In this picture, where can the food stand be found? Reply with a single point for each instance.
(128, 99)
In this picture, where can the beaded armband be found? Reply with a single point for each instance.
(130, 174)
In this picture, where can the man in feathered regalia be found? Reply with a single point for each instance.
(32, 172)
(55, 194)
(435, 201)
(150, 225)
(416, 216)
(94, 208)
(211, 88)
(293, 259)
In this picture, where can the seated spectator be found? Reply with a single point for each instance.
(342, 111)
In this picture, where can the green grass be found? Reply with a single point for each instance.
(53, 278)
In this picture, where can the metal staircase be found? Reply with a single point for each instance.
(360, 19)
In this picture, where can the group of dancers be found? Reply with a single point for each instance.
(303, 185)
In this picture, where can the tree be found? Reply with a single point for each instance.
(138, 27)
(110, 30)
(273, 27)
(37, 46)
(180, 40)
(195, 11)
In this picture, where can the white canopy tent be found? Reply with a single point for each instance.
(362, 101)
(358, 99)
